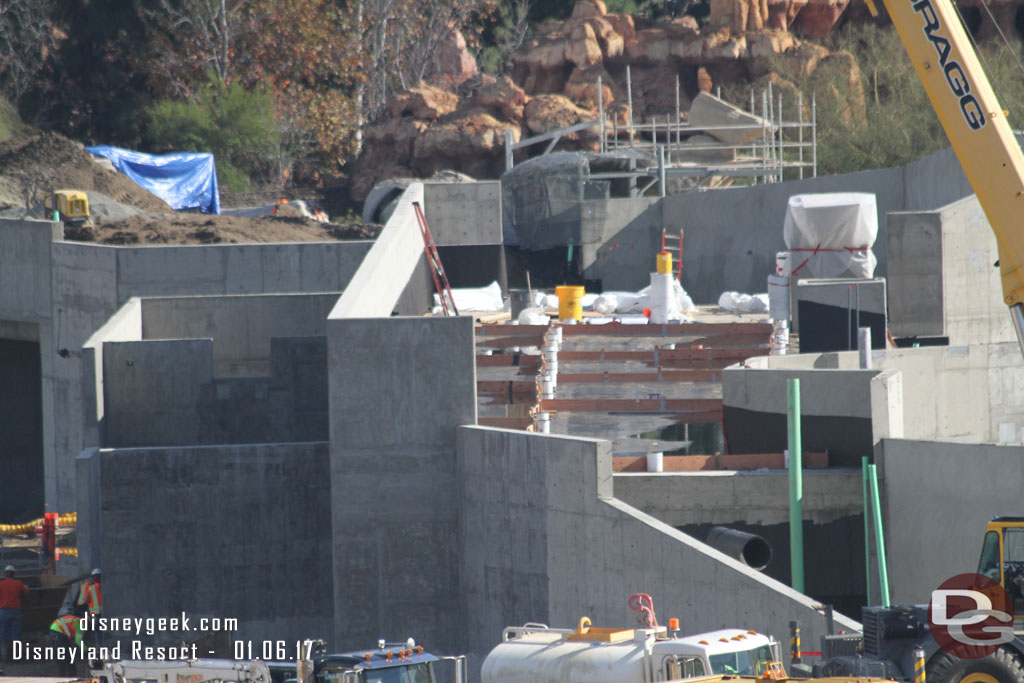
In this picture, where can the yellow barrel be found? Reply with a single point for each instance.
(570, 302)
(664, 263)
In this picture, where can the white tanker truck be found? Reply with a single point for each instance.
(535, 653)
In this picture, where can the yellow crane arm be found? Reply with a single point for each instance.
(976, 126)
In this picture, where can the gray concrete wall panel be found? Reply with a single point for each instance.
(222, 532)
(25, 293)
(948, 281)
(398, 387)
(241, 326)
(915, 280)
(152, 391)
(938, 497)
(540, 524)
(464, 213)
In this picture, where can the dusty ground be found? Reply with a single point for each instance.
(33, 166)
(191, 228)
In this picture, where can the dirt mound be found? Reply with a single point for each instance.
(31, 167)
(194, 228)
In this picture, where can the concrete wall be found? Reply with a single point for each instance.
(241, 326)
(732, 235)
(944, 282)
(543, 539)
(758, 502)
(938, 497)
(70, 289)
(838, 408)
(382, 277)
(26, 315)
(238, 268)
(398, 387)
(153, 385)
(957, 393)
(152, 391)
(464, 214)
(220, 532)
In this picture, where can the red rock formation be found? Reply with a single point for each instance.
(423, 101)
(816, 19)
(453, 63)
(502, 98)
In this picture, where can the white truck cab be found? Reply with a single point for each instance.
(535, 653)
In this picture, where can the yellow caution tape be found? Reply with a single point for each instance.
(68, 519)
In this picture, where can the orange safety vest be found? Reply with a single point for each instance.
(67, 624)
(92, 594)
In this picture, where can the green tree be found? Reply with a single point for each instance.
(235, 124)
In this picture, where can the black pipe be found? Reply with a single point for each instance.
(750, 549)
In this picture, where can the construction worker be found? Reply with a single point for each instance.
(65, 634)
(91, 594)
(11, 593)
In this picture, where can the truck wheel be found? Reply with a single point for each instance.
(999, 667)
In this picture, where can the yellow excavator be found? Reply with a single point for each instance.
(975, 124)
(72, 206)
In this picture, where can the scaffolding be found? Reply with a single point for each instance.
(785, 149)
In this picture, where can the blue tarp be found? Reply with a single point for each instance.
(185, 180)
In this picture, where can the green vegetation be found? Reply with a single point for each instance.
(236, 124)
(897, 123)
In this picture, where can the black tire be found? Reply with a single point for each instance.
(1001, 665)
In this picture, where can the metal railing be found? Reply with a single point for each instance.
(781, 151)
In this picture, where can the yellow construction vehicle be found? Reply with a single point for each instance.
(975, 124)
(72, 206)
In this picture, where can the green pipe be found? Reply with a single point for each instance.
(867, 526)
(883, 574)
(568, 255)
(796, 486)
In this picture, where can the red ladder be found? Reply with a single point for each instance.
(444, 290)
(678, 249)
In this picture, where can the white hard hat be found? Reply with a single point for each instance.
(96, 572)
(9, 568)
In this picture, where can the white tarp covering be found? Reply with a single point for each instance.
(831, 235)
(474, 299)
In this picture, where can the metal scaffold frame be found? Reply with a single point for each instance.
(780, 153)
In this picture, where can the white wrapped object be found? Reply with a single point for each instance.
(735, 302)
(831, 235)
(606, 303)
(683, 300)
(533, 316)
(778, 297)
(663, 301)
(468, 299)
(551, 302)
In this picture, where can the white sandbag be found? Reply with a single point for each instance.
(606, 303)
(533, 316)
(736, 302)
(551, 302)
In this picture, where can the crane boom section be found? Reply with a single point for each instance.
(974, 122)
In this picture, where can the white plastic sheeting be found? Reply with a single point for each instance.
(831, 235)
(735, 302)
(472, 299)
